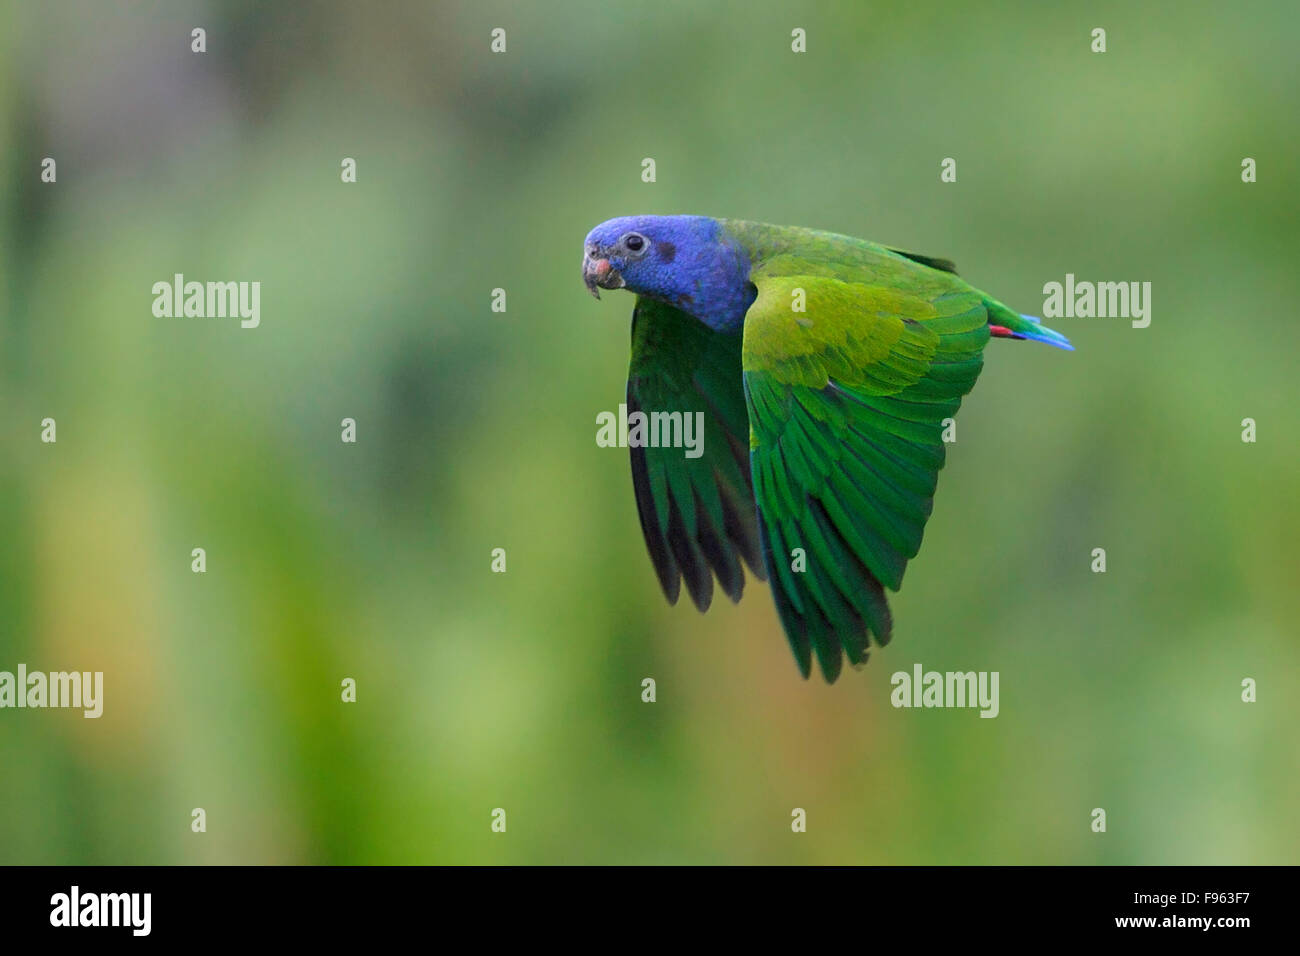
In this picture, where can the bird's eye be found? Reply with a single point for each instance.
(634, 242)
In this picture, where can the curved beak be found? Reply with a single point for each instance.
(598, 274)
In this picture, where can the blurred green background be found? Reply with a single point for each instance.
(476, 430)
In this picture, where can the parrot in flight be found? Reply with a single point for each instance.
(824, 367)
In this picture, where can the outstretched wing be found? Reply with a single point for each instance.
(846, 407)
(697, 513)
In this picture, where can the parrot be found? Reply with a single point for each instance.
(825, 368)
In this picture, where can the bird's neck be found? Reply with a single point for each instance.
(717, 290)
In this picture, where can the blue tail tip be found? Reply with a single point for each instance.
(1047, 336)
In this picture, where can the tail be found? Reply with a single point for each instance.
(1005, 324)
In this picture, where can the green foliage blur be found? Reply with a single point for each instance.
(476, 431)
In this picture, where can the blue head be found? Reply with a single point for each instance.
(687, 261)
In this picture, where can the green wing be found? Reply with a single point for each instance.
(846, 407)
(697, 514)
